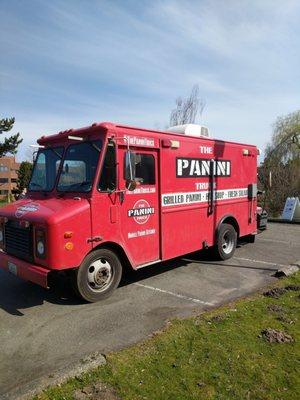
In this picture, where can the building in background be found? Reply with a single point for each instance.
(8, 176)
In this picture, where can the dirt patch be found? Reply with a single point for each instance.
(218, 318)
(284, 319)
(275, 308)
(279, 310)
(97, 391)
(275, 293)
(275, 336)
(293, 287)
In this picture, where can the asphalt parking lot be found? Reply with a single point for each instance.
(44, 330)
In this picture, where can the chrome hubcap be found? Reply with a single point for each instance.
(99, 275)
(227, 242)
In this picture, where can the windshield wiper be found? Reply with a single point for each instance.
(77, 185)
(85, 183)
(95, 147)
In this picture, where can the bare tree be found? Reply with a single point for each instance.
(187, 110)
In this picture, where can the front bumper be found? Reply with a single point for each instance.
(24, 270)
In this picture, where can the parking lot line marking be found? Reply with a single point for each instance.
(260, 262)
(179, 296)
(276, 241)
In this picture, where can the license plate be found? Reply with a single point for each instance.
(12, 268)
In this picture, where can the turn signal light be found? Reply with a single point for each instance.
(247, 152)
(69, 246)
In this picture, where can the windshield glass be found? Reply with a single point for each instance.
(79, 167)
(45, 169)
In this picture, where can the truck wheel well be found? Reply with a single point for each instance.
(116, 248)
(229, 219)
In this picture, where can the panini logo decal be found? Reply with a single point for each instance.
(185, 198)
(195, 167)
(26, 208)
(141, 211)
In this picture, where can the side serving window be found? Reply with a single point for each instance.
(107, 180)
(144, 168)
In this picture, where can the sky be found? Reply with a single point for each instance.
(66, 64)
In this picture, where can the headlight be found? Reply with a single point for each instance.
(40, 243)
(40, 248)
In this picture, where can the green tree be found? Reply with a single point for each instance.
(24, 174)
(11, 143)
(284, 145)
(282, 162)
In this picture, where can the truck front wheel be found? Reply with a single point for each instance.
(98, 275)
(226, 242)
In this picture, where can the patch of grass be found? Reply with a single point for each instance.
(220, 354)
(3, 203)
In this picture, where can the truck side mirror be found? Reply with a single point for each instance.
(34, 155)
(252, 191)
(130, 170)
(131, 185)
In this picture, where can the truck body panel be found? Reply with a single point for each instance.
(172, 211)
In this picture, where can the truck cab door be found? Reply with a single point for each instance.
(139, 211)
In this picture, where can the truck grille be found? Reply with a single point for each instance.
(18, 240)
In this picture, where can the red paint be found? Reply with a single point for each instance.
(173, 225)
(25, 270)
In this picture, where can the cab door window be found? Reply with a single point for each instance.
(144, 168)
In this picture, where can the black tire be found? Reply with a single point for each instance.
(226, 242)
(98, 275)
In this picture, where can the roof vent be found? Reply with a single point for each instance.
(190, 130)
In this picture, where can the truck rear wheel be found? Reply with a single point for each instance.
(98, 275)
(226, 242)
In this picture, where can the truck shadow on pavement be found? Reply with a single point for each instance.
(17, 295)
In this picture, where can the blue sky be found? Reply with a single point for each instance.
(69, 63)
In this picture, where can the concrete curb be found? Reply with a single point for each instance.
(283, 221)
(288, 270)
(297, 263)
(58, 377)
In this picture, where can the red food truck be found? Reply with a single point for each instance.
(107, 195)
